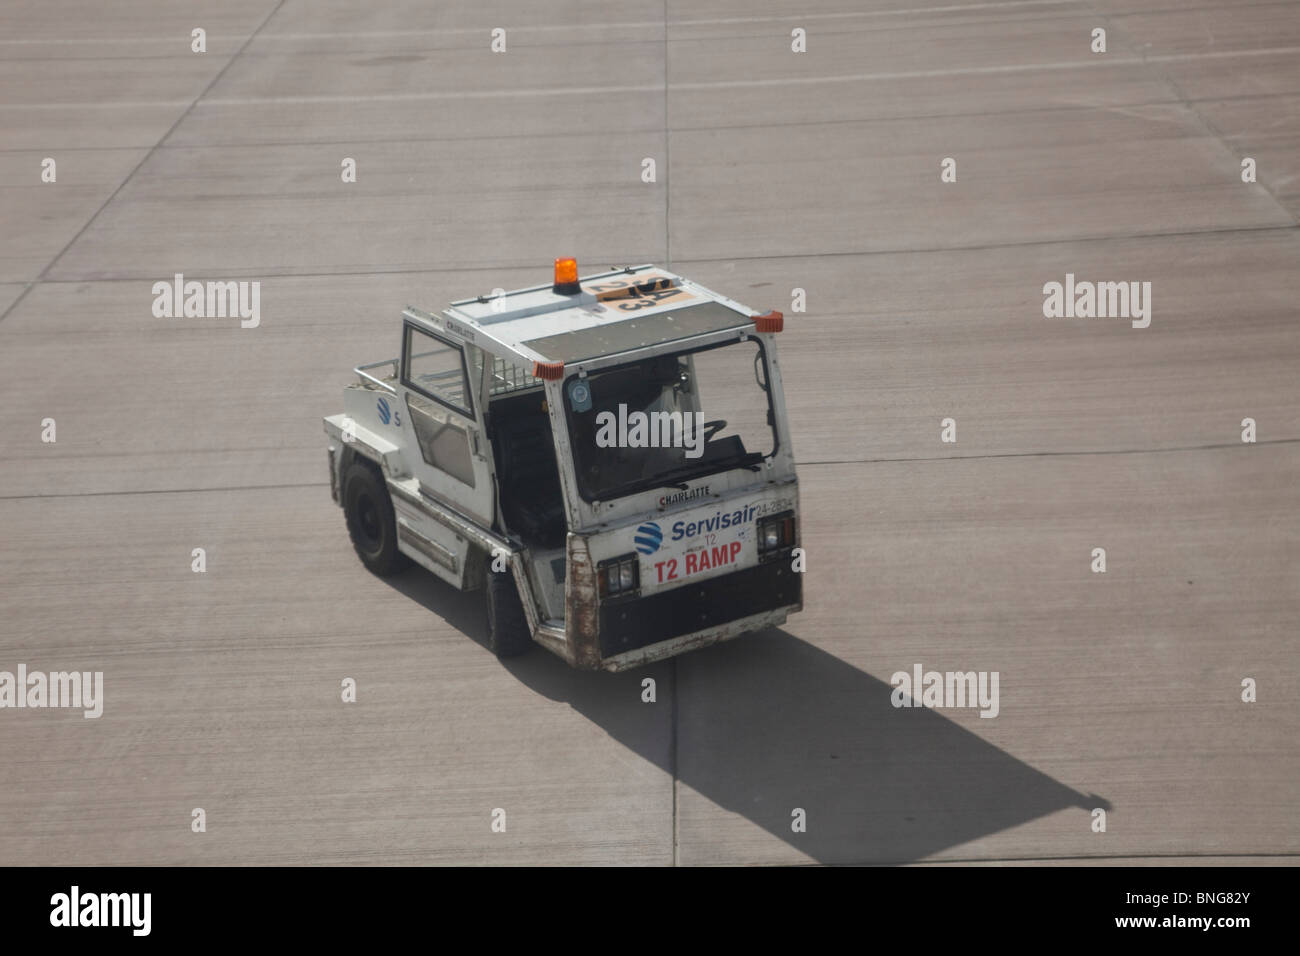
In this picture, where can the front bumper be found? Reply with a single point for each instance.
(689, 642)
(660, 625)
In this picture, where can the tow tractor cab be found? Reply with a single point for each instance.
(608, 458)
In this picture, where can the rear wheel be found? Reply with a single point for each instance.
(371, 522)
(506, 624)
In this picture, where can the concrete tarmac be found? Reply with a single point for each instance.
(775, 171)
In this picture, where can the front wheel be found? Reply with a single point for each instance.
(506, 624)
(371, 522)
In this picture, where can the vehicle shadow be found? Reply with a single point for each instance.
(768, 723)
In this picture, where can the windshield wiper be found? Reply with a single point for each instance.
(666, 481)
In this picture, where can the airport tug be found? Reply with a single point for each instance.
(607, 458)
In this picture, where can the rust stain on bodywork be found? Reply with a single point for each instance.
(582, 612)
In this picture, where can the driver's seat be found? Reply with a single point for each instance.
(531, 501)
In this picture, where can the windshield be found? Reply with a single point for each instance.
(668, 419)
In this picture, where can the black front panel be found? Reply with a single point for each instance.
(627, 625)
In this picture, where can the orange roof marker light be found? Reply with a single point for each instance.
(566, 277)
(548, 371)
(771, 322)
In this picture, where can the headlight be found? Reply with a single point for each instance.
(619, 576)
(775, 532)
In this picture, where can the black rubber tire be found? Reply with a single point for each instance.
(371, 522)
(507, 627)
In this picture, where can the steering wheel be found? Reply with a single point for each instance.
(712, 428)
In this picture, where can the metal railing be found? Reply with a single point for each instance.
(366, 377)
(508, 377)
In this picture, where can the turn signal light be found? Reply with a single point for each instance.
(619, 575)
(775, 533)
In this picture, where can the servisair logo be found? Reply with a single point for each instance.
(718, 521)
(648, 538)
(387, 415)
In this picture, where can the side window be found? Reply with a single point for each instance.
(436, 368)
(443, 443)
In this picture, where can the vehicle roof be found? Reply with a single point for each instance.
(616, 312)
